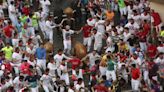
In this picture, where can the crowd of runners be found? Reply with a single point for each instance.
(123, 40)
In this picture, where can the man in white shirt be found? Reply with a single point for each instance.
(42, 23)
(136, 17)
(133, 26)
(145, 16)
(160, 59)
(46, 82)
(67, 32)
(100, 26)
(98, 39)
(64, 76)
(58, 59)
(17, 58)
(136, 60)
(71, 88)
(79, 85)
(30, 27)
(18, 83)
(12, 13)
(50, 25)
(45, 6)
(52, 67)
(93, 56)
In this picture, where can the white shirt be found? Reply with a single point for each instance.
(1, 11)
(98, 38)
(64, 69)
(17, 83)
(93, 58)
(100, 26)
(70, 90)
(137, 61)
(67, 34)
(132, 27)
(78, 86)
(119, 29)
(160, 49)
(158, 60)
(130, 12)
(45, 5)
(46, 79)
(30, 51)
(110, 48)
(108, 27)
(137, 19)
(50, 25)
(12, 10)
(58, 58)
(109, 41)
(145, 17)
(15, 42)
(36, 40)
(52, 67)
(126, 36)
(17, 57)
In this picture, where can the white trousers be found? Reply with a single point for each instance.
(87, 41)
(49, 35)
(67, 46)
(102, 70)
(98, 47)
(31, 31)
(135, 85)
(42, 27)
(145, 75)
(123, 11)
(111, 74)
(143, 46)
(41, 63)
(48, 88)
(13, 19)
(65, 77)
(34, 89)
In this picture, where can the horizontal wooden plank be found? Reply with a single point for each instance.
(158, 1)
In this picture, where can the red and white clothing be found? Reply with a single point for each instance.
(135, 79)
(75, 64)
(156, 20)
(8, 31)
(152, 51)
(25, 68)
(87, 40)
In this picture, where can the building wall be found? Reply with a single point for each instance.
(159, 7)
